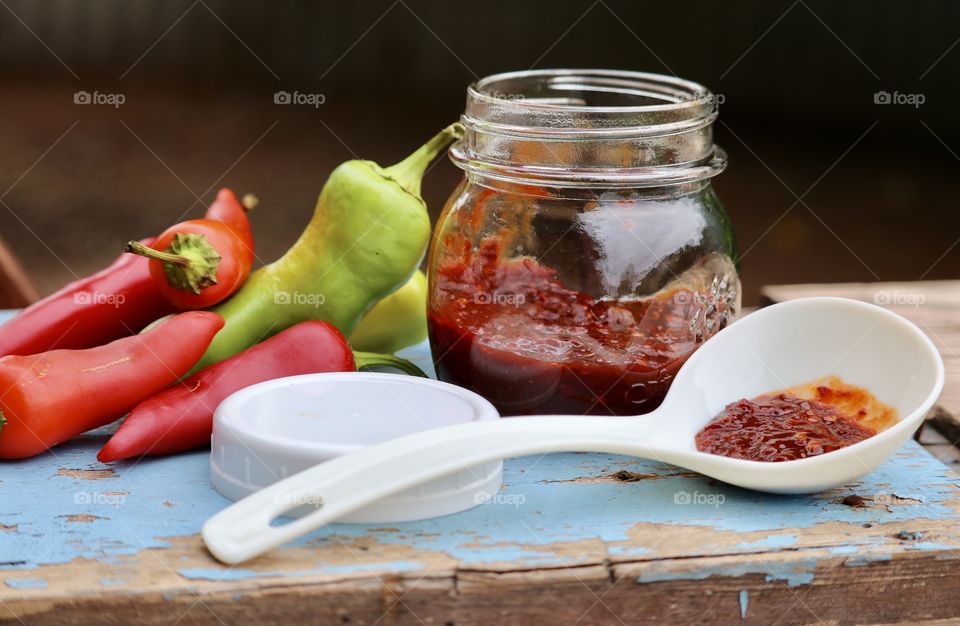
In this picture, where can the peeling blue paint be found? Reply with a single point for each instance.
(232, 574)
(524, 534)
(26, 583)
(770, 542)
(795, 573)
(649, 501)
(744, 603)
(221, 574)
(396, 566)
(927, 545)
(627, 550)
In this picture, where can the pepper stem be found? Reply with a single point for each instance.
(366, 360)
(249, 202)
(3, 420)
(135, 247)
(409, 172)
(190, 262)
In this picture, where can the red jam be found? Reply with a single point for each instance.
(509, 330)
(797, 423)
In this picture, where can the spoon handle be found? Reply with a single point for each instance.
(342, 485)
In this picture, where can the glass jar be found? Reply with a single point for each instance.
(585, 255)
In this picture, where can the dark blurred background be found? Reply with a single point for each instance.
(824, 183)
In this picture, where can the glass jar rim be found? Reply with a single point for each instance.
(622, 127)
(675, 93)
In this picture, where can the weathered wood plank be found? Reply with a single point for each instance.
(596, 538)
(566, 526)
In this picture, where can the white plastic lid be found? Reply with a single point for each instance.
(275, 429)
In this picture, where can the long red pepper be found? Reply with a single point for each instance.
(228, 209)
(48, 398)
(115, 302)
(181, 417)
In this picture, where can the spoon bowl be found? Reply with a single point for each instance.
(777, 347)
(793, 343)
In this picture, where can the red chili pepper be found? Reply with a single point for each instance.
(232, 212)
(181, 417)
(199, 263)
(115, 302)
(48, 398)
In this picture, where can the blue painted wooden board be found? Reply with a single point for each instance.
(71, 527)
(607, 535)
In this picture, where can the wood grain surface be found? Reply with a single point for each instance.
(569, 539)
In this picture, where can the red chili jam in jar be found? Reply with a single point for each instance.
(585, 255)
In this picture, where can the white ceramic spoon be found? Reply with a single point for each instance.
(779, 346)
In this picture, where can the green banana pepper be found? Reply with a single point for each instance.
(368, 234)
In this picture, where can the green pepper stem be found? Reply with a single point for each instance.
(249, 202)
(409, 172)
(190, 262)
(135, 247)
(366, 360)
